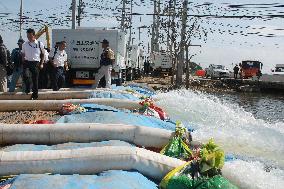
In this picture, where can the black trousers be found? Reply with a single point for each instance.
(43, 77)
(58, 78)
(33, 68)
(235, 75)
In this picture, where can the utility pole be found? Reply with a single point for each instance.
(172, 6)
(168, 26)
(123, 16)
(180, 64)
(157, 33)
(156, 26)
(73, 14)
(153, 37)
(130, 40)
(21, 16)
(80, 12)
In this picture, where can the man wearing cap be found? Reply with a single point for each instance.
(3, 64)
(17, 60)
(33, 56)
(106, 62)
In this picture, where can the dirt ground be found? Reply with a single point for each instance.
(198, 84)
(21, 117)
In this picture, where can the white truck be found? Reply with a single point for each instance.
(161, 62)
(279, 70)
(217, 71)
(84, 51)
(135, 61)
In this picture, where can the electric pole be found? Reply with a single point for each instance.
(123, 16)
(80, 12)
(168, 26)
(157, 33)
(180, 62)
(130, 24)
(73, 14)
(153, 37)
(21, 16)
(173, 38)
(156, 26)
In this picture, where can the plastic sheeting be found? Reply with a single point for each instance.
(142, 90)
(66, 146)
(106, 180)
(97, 107)
(141, 86)
(114, 94)
(109, 115)
(117, 118)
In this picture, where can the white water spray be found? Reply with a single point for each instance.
(236, 130)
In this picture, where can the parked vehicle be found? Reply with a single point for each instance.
(217, 71)
(161, 63)
(279, 69)
(135, 62)
(250, 68)
(84, 50)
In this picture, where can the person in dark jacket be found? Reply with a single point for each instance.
(17, 61)
(236, 71)
(3, 64)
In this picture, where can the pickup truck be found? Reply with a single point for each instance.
(217, 71)
(279, 70)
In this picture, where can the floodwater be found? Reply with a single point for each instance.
(267, 107)
(248, 126)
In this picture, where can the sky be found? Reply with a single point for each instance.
(228, 41)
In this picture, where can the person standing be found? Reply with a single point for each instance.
(236, 71)
(3, 64)
(106, 63)
(43, 73)
(58, 59)
(33, 57)
(49, 66)
(17, 60)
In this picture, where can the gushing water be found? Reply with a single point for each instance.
(260, 144)
(251, 175)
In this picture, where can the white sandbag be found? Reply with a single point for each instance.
(79, 89)
(47, 94)
(55, 105)
(87, 161)
(83, 133)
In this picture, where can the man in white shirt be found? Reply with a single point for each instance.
(58, 59)
(33, 58)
